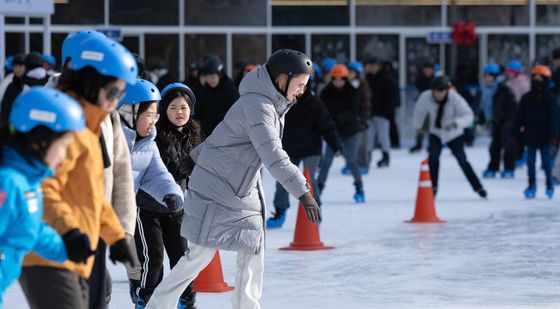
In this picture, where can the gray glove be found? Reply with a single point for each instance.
(311, 208)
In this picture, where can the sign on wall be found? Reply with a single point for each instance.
(26, 7)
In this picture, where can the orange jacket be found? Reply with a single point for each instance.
(74, 198)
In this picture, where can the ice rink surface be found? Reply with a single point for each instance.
(502, 252)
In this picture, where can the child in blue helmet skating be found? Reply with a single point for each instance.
(95, 73)
(41, 126)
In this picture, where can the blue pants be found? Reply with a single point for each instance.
(349, 150)
(282, 197)
(545, 158)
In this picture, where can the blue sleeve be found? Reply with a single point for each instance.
(49, 244)
(8, 201)
(157, 181)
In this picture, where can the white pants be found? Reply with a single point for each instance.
(248, 281)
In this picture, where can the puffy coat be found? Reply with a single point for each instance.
(343, 107)
(172, 157)
(307, 123)
(21, 207)
(75, 197)
(225, 201)
(456, 111)
(539, 120)
(149, 172)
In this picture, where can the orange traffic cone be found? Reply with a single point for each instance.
(306, 236)
(425, 207)
(211, 278)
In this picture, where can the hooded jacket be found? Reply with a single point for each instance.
(225, 201)
(75, 197)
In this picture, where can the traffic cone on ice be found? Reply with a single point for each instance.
(425, 207)
(211, 278)
(306, 236)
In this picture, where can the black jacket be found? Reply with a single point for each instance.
(172, 156)
(306, 123)
(423, 83)
(343, 107)
(384, 94)
(13, 90)
(503, 105)
(212, 104)
(538, 118)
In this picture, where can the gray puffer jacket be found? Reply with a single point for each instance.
(224, 204)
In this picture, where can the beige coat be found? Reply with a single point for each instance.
(119, 185)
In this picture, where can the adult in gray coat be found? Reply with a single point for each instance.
(449, 114)
(225, 201)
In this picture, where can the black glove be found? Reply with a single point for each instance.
(186, 165)
(173, 202)
(78, 247)
(311, 208)
(122, 252)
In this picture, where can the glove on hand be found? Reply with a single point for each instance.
(78, 247)
(311, 208)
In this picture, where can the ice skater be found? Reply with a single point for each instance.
(449, 114)
(225, 201)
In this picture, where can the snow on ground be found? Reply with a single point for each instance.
(495, 253)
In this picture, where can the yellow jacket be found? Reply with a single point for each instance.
(75, 199)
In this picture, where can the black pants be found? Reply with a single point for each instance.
(99, 281)
(457, 147)
(501, 142)
(154, 232)
(394, 133)
(49, 287)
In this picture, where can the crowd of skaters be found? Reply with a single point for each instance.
(182, 160)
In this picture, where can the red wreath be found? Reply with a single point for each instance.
(464, 33)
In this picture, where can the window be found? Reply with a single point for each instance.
(225, 12)
(198, 45)
(385, 47)
(132, 43)
(163, 49)
(334, 46)
(398, 15)
(15, 43)
(310, 15)
(249, 48)
(503, 48)
(56, 46)
(491, 15)
(545, 44)
(144, 12)
(548, 15)
(78, 12)
(36, 42)
(291, 41)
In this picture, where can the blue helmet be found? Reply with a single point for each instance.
(47, 107)
(141, 91)
(514, 66)
(10, 63)
(50, 59)
(108, 57)
(328, 63)
(492, 68)
(179, 87)
(356, 66)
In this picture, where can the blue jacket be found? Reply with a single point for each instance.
(148, 170)
(21, 208)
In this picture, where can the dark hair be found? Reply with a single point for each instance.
(165, 127)
(33, 144)
(85, 82)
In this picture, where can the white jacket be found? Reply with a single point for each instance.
(456, 111)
